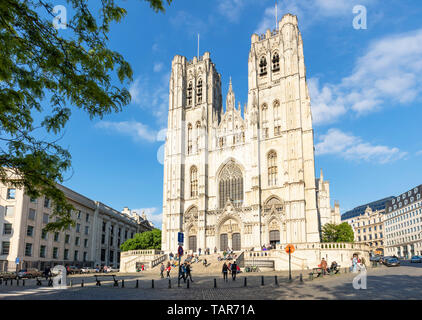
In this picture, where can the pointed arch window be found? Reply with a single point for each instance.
(189, 94)
(198, 134)
(230, 185)
(277, 116)
(276, 62)
(189, 138)
(263, 66)
(193, 182)
(272, 168)
(199, 91)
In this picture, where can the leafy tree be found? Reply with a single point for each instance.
(337, 233)
(44, 74)
(143, 241)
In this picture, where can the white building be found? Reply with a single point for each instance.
(244, 178)
(95, 239)
(403, 224)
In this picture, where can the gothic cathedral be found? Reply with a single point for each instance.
(243, 181)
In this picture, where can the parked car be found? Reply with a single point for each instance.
(384, 259)
(73, 270)
(375, 258)
(416, 259)
(87, 270)
(392, 262)
(29, 273)
(7, 275)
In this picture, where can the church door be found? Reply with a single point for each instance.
(224, 242)
(274, 237)
(192, 243)
(236, 242)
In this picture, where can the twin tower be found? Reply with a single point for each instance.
(241, 181)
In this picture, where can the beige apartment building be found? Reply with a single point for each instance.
(95, 240)
(368, 229)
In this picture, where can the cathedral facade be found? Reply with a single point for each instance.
(243, 179)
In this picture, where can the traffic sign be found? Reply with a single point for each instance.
(17, 261)
(180, 251)
(290, 248)
(180, 237)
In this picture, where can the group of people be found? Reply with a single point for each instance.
(185, 271)
(325, 268)
(357, 263)
(233, 268)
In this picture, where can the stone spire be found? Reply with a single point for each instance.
(230, 101)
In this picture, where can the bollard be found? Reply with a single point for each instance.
(311, 276)
(11, 282)
(275, 280)
(215, 283)
(245, 282)
(301, 278)
(23, 282)
(1, 281)
(82, 283)
(187, 284)
(152, 284)
(123, 283)
(137, 284)
(262, 280)
(169, 283)
(17, 282)
(5, 282)
(71, 283)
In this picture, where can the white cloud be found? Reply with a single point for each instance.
(138, 131)
(309, 11)
(354, 148)
(158, 66)
(152, 215)
(387, 73)
(231, 9)
(152, 96)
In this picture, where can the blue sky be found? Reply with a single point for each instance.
(365, 92)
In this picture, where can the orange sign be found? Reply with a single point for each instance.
(290, 248)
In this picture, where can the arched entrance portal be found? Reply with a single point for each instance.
(224, 242)
(192, 243)
(236, 244)
(274, 237)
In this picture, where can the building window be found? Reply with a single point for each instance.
(78, 227)
(46, 202)
(44, 234)
(103, 254)
(5, 247)
(56, 236)
(77, 241)
(85, 256)
(189, 94)
(189, 138)
(66, 254)
(231, 185)
(193, 182)
(85, 243)
(104, 226)
(45, 218)
(7, 228)
(264, 112)
(277, 130)
(28, 249)
(86, 230)
(31, 215)
(76, 255)
(55, 253)
(272, 168)
(103, 239)
(11, 193)
(67, 238)
(79, 214)
(87, 217)
(111, 256)
(276, 62)
(42, 251)
(199, 91)
(263, 66)
(30, 231)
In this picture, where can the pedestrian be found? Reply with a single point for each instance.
(215, 249)
(225, 270)
(168, 270)
(142, 267)
(205, 262)
(324, 266)
(230, 267)
(162, 270)
(234, 270)
(188, 272)
(181, 274)
(199, 250)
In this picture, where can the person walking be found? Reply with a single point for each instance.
(168, 270)
(181, 274)
(162, 270)
(225, 270)
(199, 251)
(324, 266)
(234, 270)
(188, 272)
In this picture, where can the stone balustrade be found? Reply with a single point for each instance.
(151, 252)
